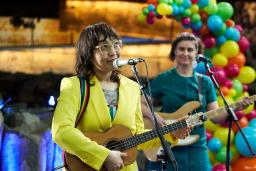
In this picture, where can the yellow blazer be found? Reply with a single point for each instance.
(96, 118)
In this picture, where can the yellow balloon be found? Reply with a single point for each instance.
(222, 134)
(213, 1)
(162, 8)
(230, 49)
(194, 8)
(228, 99)
(219, 60)
(236, 155)
(232, 93)
(247, 75)
(210, 126)
(212, 157)
(142, 18)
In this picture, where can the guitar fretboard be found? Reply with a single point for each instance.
(234, 106)
(146, 136)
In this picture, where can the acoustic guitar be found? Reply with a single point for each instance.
(120, 138)
(183, 111)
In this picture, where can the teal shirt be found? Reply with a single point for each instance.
(174, 90)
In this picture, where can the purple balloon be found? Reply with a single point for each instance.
(209, 42)
(243, 43)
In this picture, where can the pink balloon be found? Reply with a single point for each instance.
(228, 84)
(244, 44)
(209, 42)
(150, 20)
(185, 21)
(151, 14)
(245, 87)
(219, 167)
(239, 28)
(232, 70)
(208, 135)
(251, 115)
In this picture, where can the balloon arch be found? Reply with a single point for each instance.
(226, 46)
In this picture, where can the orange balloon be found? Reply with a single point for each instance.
(244, 164)
(243, 123)
(224, 90)
(204, 30)
(230, 23)
(239, 60)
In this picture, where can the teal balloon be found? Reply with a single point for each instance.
(225, 10)
(220, 40)
(250, 134)
(232, 34)
(238, 86)
(200, 68)
(203, 3)
(187, 3)
(214, 144)
(215, 23)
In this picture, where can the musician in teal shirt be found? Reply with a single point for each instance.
(178, 86)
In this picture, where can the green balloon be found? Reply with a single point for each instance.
(225, 10)
(163, 1)
(238, 86)
(145, 11)
(221, 155)
(212, 8)
(187, 13)
(178, 2)
(195, 18)
(211, 52)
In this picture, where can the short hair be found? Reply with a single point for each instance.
(186, 36)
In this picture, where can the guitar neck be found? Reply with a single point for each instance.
(234, 106)
(146, 136)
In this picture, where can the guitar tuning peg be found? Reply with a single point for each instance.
(189, 114)
(204, 118)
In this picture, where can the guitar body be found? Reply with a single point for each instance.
(183, 111)
(114, 134)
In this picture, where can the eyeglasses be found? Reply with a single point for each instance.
(106, 47)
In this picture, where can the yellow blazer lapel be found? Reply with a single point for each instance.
(98, 100)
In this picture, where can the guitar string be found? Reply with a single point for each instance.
(127, 143)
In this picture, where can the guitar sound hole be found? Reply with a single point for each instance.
(114, 145)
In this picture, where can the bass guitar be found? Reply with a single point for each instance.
(183, 111)
(120, 138)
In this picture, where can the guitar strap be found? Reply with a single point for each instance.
(199, 82)
(85, 94)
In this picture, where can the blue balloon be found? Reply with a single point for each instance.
(215, 23)
(232, 34)
(197, 26)
(214, 145)
(240, 144)
(151, 7)
(252, 123)
(220, 40)
(200, 68)
(186, 3)
(203, 3)
(181, 10)
(175, 9)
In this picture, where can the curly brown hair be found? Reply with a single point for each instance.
(88, 39)
(186, 36)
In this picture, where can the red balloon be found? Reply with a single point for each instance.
(194, 1)
(209, 42)
(219, 167)
(232, 70)
(239, 60)
(239, 114)
(230, 23)
(228, 84)
(244, 164)
(251, 115)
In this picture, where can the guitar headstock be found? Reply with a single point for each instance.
(196, 119)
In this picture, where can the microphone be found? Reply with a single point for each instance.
(202, 58)
(118, 63)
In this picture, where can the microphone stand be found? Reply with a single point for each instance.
(168, 154)
(231, 117)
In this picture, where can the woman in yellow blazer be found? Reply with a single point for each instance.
(114, 100)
